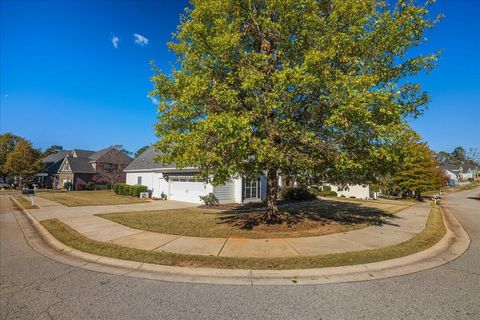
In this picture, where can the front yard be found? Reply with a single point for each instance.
(309, 218)
(432, 233)
(88, 198)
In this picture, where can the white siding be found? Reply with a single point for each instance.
(237, 182)
(147, 179)
(225, 193)
(357, 191)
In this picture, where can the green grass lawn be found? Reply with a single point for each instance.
(431, 234)
(88, 198)
(309, 218)
(25, 203)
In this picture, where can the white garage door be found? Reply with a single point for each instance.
(186, 191)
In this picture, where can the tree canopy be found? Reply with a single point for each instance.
(140, 151)
(23, 162)
(52, 149)
(419, 170)
(8, 142)
(120, 148)
(311, 88)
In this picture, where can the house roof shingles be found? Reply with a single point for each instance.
(80, 165)
(145, 161)
(111, 155)
(82, 153)
(57, 156)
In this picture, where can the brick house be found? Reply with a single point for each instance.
(102, 167)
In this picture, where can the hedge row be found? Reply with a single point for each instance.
(297, 193)
(129, 190)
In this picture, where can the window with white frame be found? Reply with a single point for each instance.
(139, 180)
(251, 188)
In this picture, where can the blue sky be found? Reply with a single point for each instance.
(64, 82)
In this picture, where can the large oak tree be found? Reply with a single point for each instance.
(299, 87)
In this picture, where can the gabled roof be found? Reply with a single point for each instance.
(57, 156)
(145, 161)
(82, 153)
(452, 167)
(470, 166)
(79, 165)
(111, 155)
(98, 154)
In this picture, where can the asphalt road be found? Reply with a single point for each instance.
(35, 287)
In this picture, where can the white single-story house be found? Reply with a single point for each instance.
(186, 185)
(357, 191)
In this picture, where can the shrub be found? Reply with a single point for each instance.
(126, 190)
(353, 197)
(121, 189)
(136, 190)
(118, 188)
(209, 200)
(141, 189)
(327, 188)
(327, 194)
(90, 185)
(297, 193)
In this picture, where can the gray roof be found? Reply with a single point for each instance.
(98, 154)
(83, 153)
(470, 166)
(115, 156)
(57, 156)
(451, 167)
(145, 161)
(80, 165)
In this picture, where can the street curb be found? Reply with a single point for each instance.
(455, 242)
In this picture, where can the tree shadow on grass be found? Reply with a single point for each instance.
(347, 213)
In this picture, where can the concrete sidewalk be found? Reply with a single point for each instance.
(404, 226)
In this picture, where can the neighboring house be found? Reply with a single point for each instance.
(51, 164)
(186, 185)
(82, 166)
(461, 172)
(452, 177)
(357, 191)
(470, 171)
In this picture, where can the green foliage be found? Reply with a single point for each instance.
(140, 151)
(326, 188)
(8, 142)
(327, 193)
(120, 148)
(126, 190)
(459, 155)
(129, 190)
(311, 88)
(419, 170)
(90, 185)
(209, 200)
(118, 188)
(23, 162)
(51, 150)
(297, 193)
(136, 190)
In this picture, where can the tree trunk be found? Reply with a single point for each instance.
(272, 193)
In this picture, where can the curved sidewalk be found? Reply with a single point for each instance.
(405, 225)
(455, 242)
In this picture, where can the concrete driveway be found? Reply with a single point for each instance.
(50, 209)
